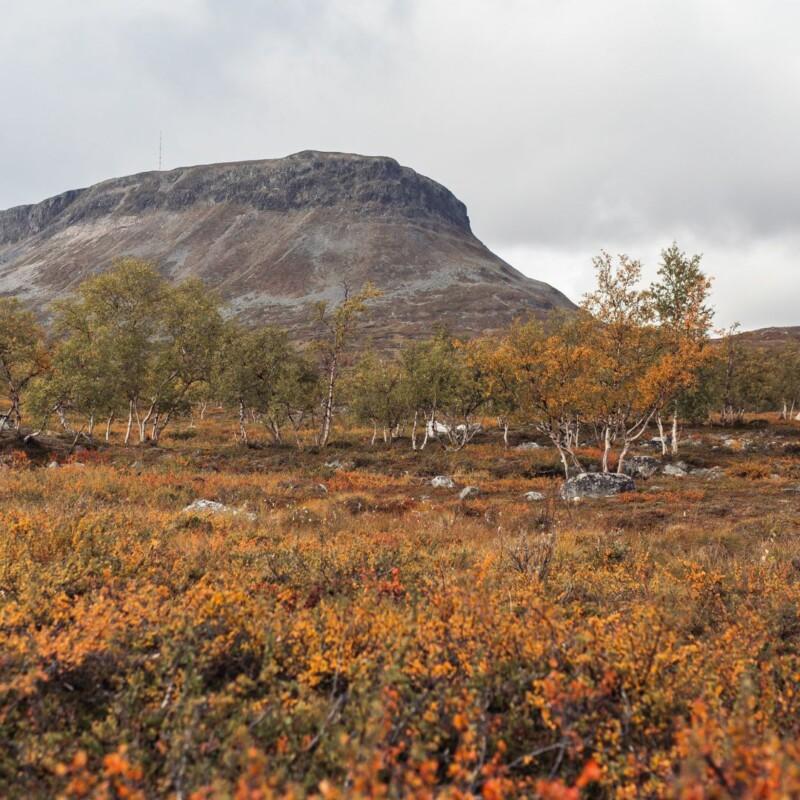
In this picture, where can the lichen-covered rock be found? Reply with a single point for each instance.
(443, 482)
(641, 466)
(596, 484)
(674, 470)
(203, 506)
(207, 506)
(533, 497)
(709, 473)
(468, 492)
(337, 465)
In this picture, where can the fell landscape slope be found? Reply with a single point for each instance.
(274, 236)
(771, 337)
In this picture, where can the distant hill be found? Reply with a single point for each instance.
(772, 337)
(275, 236)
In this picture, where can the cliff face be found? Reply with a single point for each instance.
(274, 236)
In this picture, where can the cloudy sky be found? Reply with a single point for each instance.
(566, 126)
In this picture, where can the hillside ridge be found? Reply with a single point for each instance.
(276, 235)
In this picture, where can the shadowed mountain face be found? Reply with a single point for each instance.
(274, 237)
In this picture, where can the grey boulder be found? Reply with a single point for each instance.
(596, 484)
(641, 466)
(674, 470)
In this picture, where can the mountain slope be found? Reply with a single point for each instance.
(275, 236)
(772, 337)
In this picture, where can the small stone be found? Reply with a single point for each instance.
(533, 497)
(207, 506)
(528, 446)
(213, 507)
(337, 464)
(468, 492)
(443, 482)
(709, 473)
(735, 444)
(53, 465)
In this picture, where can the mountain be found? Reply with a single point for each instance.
(274, 236)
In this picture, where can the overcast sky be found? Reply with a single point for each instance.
(566, 126)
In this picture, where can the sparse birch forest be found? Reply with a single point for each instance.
(559, 561)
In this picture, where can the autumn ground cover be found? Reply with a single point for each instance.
(381, 638)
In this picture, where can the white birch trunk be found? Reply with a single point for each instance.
(606, 447)
(660, 425)
(130, 422)
(675, 432)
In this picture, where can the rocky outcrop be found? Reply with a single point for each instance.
(276, 236)
(371, 187)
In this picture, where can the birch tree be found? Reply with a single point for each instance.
(120, 311)
(23, 357)
(252, 374)
(637, 364)
(153, 341)
(336, 328)
(680, 298)
(429, 374)
(551, 366)
(500, 386)
(378, 395)
(188, 335)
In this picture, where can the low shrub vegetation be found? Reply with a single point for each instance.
(227, 569)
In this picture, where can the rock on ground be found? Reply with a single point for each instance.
(641, 466)
(209, 506)
(533, 497)
(674, 470)
(213, 507)
(709, 473)
(596, 484)
(336, 464)
(443, 482)
(468, 492)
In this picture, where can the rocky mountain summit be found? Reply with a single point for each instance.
(275, 236)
